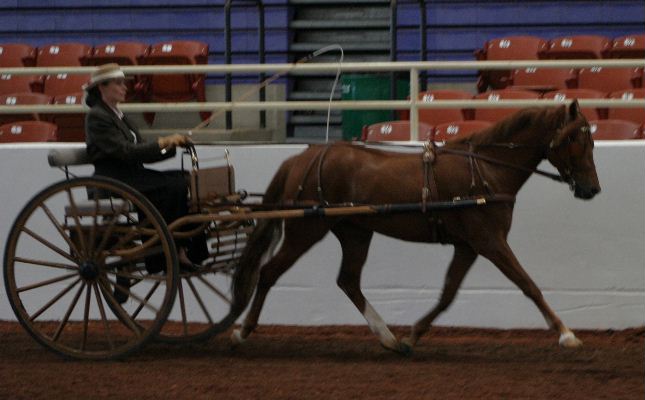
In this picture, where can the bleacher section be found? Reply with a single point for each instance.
(73, 32)
(458, 28)
(39, 23)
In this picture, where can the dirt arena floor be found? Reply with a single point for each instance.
(339, 362)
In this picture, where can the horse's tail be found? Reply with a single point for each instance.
(262, 242)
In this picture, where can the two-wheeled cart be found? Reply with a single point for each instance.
(91, 268)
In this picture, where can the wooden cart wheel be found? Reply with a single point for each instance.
(90, 279)
(202, 304)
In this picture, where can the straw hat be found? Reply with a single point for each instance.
(103, 73)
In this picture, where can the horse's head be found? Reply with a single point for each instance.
(571, 152)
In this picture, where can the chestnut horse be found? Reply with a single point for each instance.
(496, 161)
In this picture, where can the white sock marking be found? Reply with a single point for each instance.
(378, 326)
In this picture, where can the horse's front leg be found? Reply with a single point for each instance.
(462, 260)
(500, 254)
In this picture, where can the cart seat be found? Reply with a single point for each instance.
(85, 208)
(67, 157)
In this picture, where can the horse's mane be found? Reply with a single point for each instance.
(504, 130)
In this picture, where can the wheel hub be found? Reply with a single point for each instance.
(89, 270)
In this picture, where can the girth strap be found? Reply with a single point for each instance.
(429, 191)
(319, 158)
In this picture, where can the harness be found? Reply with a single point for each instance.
(430, 191)
(319, 189)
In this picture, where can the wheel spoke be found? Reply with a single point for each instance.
(106, 324)
(77, 222)
(199, 300)
(182, 307)
(47, 243)
(93, 228)
(130, 294)
(47, 282)
(117, 307)
(133, 233)
(214, 289)
(148, 296)
(53, 301)
(110, 228)
(86, 316)
(43, 263)
(70, 309)
(60, 229)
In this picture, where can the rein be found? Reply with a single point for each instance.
(472, 154)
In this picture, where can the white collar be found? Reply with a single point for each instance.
(116, 110)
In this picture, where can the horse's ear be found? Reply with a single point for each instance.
(574, 110)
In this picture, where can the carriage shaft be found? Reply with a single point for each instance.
(335, 211)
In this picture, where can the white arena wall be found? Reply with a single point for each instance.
(588, 257)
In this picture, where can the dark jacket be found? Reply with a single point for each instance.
(114, 153)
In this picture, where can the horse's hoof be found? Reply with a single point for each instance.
(405, 348)
(236, 338)
(401, 348)
(569, 341)
(408, 342)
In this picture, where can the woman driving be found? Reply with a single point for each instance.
(118, 151)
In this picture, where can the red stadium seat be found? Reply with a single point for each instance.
(17, 84)
(609, 79)
(574, 47)
(122, 53)
(569, 94)
(507, 48)
(435, 116)
(63, 54)
(393, 131)
(17, 55)
(636, 115)
(615, 129)
(170, 88)
(71, 127)
(62, 84)
(630, 46)
(543, 79)
(22, 99)
(28, 131)
(458, 129)
(496, 114)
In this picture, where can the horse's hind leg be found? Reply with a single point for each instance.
(299, 236)
(502, 256)
(462, 260)
(355, 244)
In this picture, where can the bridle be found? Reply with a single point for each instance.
(570, 148)
(472, 154)
(553, 153)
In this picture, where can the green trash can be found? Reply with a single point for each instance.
(368, 87)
